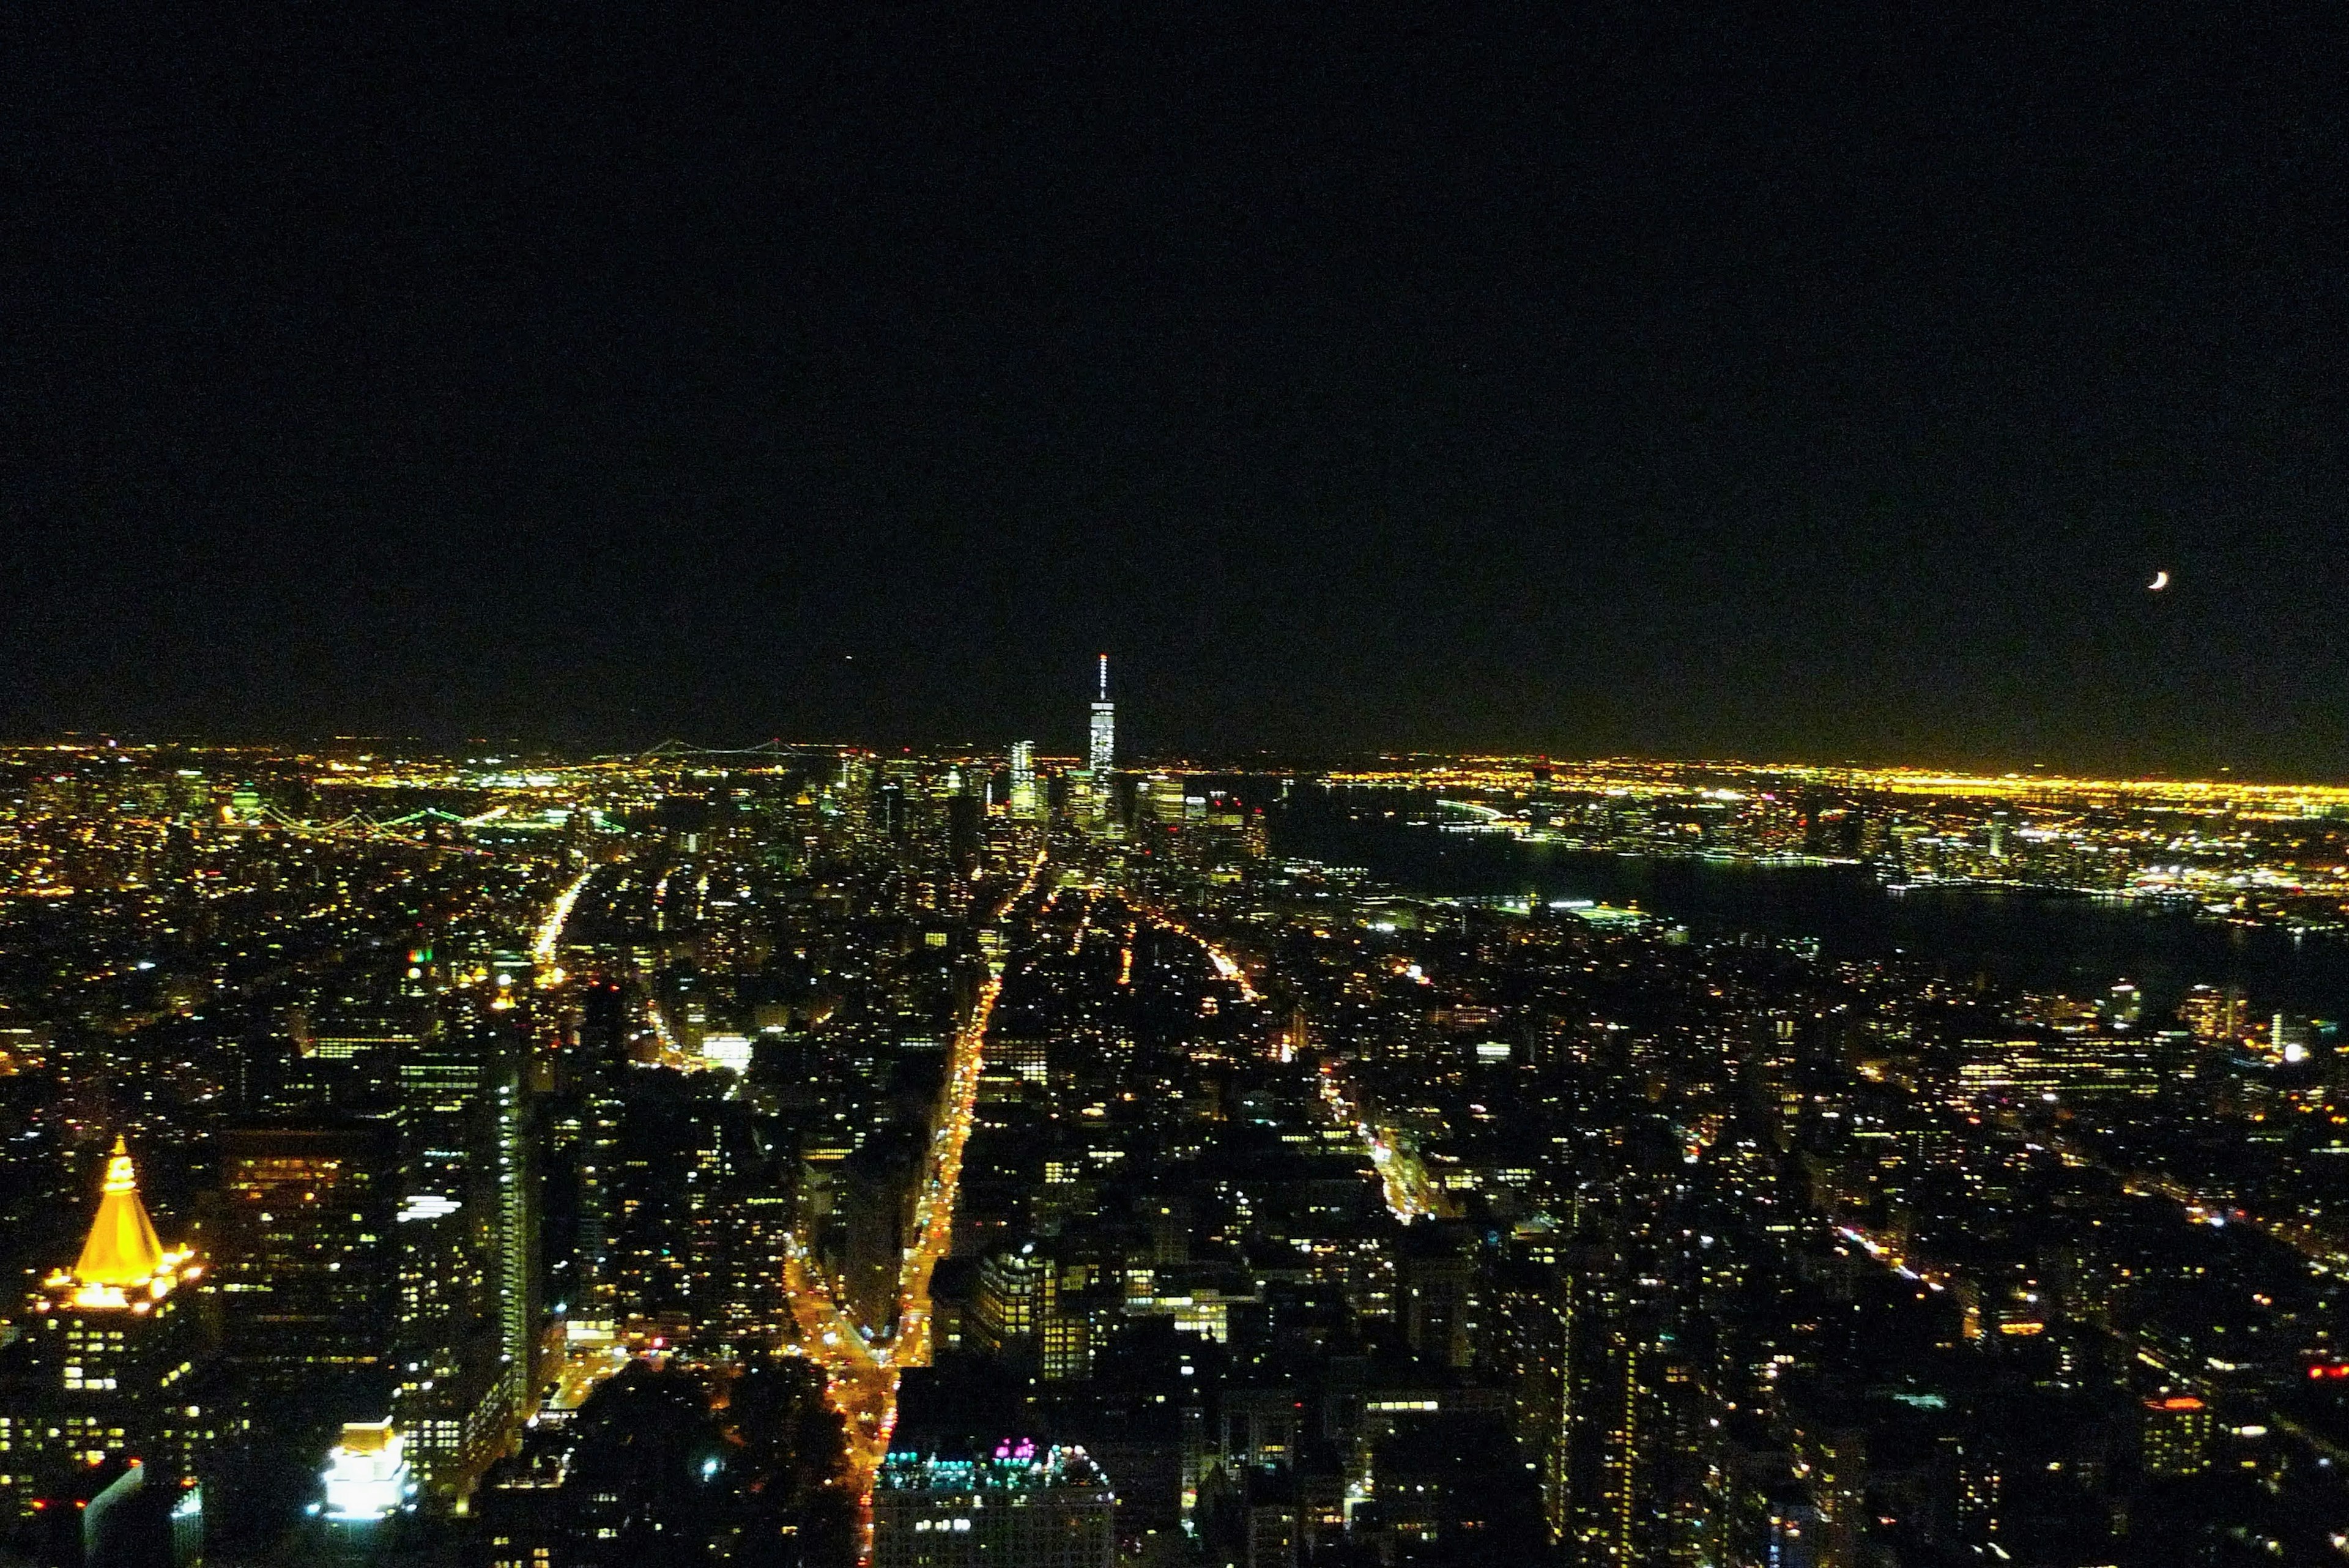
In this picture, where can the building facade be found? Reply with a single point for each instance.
(1039, 1509)
(106, 1359)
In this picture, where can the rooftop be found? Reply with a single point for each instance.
(1014, 1465)
(123, 1265)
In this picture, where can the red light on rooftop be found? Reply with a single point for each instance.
(2181, 1402)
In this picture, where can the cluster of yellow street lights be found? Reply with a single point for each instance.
(861, 1375)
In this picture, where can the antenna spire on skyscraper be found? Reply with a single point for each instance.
(1104, 677)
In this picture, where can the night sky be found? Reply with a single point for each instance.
(1585, 377)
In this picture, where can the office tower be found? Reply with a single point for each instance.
(741, 1217)
(583, 1121)
(966, 820)
(1253, 1513)
(876, 1199)
(1168, 1223)
(663, 1169)
(463, 1244)
(700, 1212)
(1018, 1053)
(445, 1353)
(461, 1248)
(350, 1033)
(439, 1073)
(892, 813)
(305, 1264)
(1435, 1284)
(1529, 1322)
(2214, 1014)
(751, 1306)
(1051, 1508)
(2175, 1435)
(514, 1241)
(1629, 1404)
(135, 1517)
(1017, 1292)
(105, 1357)
(1163, 799)
(2291, 1037)
(1832, 1459)
(1450, 1479)
(1025, 802)
(348, 1060)
(2072, 1066)
(1100, 752)
(1019, 1314)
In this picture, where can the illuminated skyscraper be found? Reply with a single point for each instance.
(513, 1240)
(1101, 756)
(1024, 802)
(306, 1268)
(2214, 1014)
(2175, 1433)
(1016, 1291)
(105, 1356)
(441, 1362)
(394, 1251)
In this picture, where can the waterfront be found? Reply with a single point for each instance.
(2040, 941)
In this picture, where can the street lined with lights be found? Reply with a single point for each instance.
(861, 1377)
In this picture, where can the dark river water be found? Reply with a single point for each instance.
(2048, 941)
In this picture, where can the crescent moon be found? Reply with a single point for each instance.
(2161, 581)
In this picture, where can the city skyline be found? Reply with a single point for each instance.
(1096, 753)
(479, 1161)
(1198, 786)
(1367, 761)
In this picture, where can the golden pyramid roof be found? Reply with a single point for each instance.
(122, 1249)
